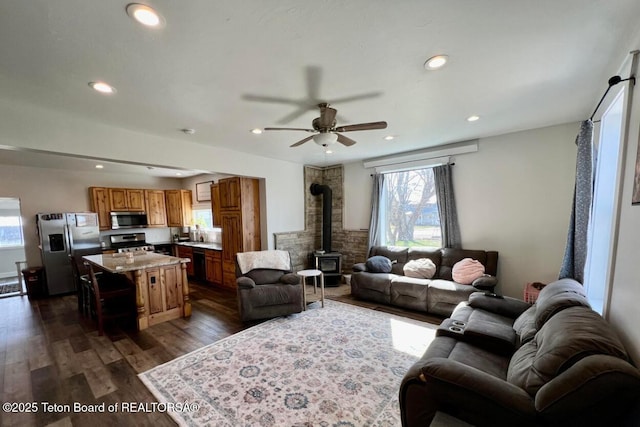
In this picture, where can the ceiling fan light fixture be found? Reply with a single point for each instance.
(325, 138)
(436, 62)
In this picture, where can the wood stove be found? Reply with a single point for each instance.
(331, 266)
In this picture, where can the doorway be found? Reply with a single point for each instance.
(12, 254)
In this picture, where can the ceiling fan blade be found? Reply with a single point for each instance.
(302, 141)
(362, 126)
(314, 77)
(327, 116)
(345, 141)
(356, 97)
(274, 99)
(301, 129)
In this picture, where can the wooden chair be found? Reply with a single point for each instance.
(83, 283)
(113, 298)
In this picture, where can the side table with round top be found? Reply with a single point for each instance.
(315, 274)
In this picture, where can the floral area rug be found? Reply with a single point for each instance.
(340, 365)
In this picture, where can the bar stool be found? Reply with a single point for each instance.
(315, 274)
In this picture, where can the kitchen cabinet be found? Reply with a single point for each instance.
(126, 199)
(156, 208)
(213, 263)
(99, 199)
(230, 193)
(186, 252)
(215, 204)
(178, 208)
(240, 222)
(164, 287)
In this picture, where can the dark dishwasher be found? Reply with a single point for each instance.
(199, 267)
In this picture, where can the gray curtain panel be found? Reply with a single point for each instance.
(447, 207)
(376, 197)
(575, 253)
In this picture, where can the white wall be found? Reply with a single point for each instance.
(624, 311)
(513, 196)
(30, 126)
(357, 196)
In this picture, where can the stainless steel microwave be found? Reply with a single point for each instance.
(128, 220)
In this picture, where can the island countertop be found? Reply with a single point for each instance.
(121, 262)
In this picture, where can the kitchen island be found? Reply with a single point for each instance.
(162, 289)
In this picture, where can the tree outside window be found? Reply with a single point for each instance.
(410, 209)
(203, 218)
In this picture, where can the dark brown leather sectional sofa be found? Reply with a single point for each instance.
(439, 295)
(500, 362)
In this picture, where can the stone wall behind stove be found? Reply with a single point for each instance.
(352, 244)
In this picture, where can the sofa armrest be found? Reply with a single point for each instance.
(505, 306)
(473, 384)
(290, 279)
(245, 283)
(361, 266)
(485, 283)
(587, 384)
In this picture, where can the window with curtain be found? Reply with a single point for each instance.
(408, 209)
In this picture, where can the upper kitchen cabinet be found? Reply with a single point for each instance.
(179, 208)
(230, 193)
(99, 197)
(156, 208)
(126, 199)
(215, 204)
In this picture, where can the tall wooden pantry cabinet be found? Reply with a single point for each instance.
(240, 222)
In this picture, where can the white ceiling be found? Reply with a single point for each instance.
(518, 65)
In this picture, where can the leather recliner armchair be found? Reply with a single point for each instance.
(267, 287)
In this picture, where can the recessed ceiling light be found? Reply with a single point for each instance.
(328, 151)
(99, 167)
(188, 131)
(102, 87)
(256, 131)
(389, 137)
(145, 15)
(178, 174)
(473, 118)
(436, 62)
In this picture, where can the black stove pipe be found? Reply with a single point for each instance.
(325, 190)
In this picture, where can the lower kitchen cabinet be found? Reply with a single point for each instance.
(213, 263)
(186, 252)
(165, 293)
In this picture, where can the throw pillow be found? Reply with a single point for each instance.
(467, 270)
(422, 268)
(379, 264)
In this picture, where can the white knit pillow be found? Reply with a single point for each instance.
(467, 270)
(422, 268)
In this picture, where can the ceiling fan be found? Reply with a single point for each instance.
(325, 130)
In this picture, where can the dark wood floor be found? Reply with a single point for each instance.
(51, 353)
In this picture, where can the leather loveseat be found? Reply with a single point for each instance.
(501, 362)
(438, 295)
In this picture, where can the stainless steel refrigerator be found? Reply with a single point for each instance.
(61, 235)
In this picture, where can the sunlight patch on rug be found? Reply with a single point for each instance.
(339, 365)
